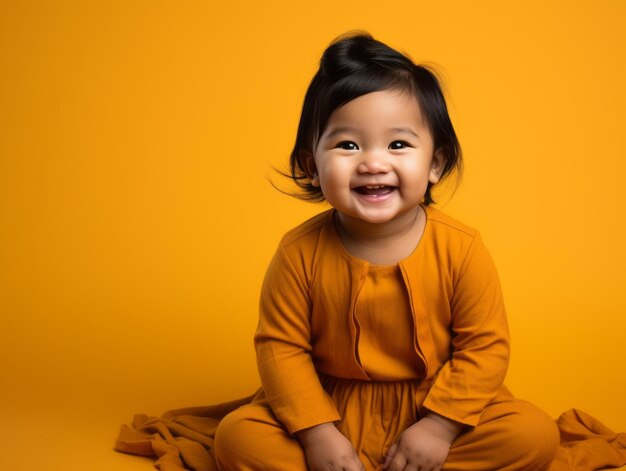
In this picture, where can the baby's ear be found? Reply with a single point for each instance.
(308, 163)
(436, 167)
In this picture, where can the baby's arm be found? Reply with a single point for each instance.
(290, 381)
(283, 348)
(474, 373)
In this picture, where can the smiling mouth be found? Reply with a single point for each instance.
(374, 190)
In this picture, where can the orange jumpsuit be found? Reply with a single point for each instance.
(373, 348)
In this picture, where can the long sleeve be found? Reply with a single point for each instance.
(283, 348)
(475, 372)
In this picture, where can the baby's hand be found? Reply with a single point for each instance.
(423, 446)
(326, 448)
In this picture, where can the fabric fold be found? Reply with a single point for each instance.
(587, 444)
(182, 439)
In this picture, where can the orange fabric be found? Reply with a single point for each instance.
(183, 438)
(319, 362)
(307, 323)
(385, 327)
(511, 434)
(587, 444)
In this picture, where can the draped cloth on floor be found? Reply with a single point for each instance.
(182, 439)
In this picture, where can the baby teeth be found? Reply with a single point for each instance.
(374, 187)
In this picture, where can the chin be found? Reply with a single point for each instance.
(385, 217)
(376, 218)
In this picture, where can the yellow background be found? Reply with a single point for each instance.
(136, 216)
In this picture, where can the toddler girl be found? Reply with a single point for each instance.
(382, 340)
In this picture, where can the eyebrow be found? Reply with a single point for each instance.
(342, 129)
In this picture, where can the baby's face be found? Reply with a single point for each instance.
(375, 157)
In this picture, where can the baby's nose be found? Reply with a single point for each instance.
(374, 162)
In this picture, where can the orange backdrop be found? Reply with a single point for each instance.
(136, 217)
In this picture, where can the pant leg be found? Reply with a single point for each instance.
(251, 439)
(512, 435)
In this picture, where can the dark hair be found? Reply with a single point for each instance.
(356, 64)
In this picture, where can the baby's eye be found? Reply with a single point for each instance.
(348, 145)
(398, 145)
